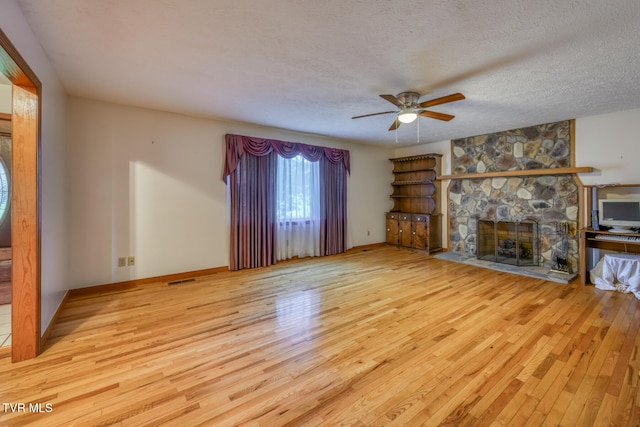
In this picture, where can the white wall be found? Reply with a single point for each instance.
(149, 184)
(5, 98)
(54, 249)
(611, 144)
(133, 172)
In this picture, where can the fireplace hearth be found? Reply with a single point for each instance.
(508, 242)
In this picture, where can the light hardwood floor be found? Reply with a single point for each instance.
(381, 336)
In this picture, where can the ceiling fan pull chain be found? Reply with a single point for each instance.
(418, 133)
(396, 135)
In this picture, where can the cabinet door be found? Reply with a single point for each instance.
(420, 232)
(434, 229)
(404, 225)
(392, 229)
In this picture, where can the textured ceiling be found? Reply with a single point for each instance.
(310, 65)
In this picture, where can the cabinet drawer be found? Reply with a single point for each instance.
(393, 215)
(420, 218)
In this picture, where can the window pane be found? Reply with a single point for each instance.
(297, 188)
(4, 190)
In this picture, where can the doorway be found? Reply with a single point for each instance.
(5, 212)
(25, 202)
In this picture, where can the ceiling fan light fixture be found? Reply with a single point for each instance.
(410, 107)
(407, 116)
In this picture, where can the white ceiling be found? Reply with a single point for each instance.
(310, 65)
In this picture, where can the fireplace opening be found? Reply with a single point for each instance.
(508, 242)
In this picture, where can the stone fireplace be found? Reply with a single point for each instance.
(508, 242)
(550, 201)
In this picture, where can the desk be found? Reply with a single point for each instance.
(588, 240)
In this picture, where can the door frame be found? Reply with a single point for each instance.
(25, 202)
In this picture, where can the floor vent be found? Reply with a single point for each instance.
(177, 282)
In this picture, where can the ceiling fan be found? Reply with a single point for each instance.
(410, 108)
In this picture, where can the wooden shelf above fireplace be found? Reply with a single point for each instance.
(523, 172)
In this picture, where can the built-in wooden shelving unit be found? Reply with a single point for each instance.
(415, 220)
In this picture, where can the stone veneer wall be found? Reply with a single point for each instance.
(549, 199)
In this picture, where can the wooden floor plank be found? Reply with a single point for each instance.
(376, 336)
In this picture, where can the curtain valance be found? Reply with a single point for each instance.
(237, 145)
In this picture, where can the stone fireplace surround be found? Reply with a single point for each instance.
(548, 200)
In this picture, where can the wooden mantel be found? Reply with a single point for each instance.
(521, 172)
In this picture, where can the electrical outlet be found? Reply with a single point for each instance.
(132, 260)
(122, 262)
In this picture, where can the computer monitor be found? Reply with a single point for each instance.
(621, 214)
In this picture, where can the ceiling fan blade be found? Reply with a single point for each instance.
(374, 114)
(395, 125)
(392, 99)
(443, 100)
(435, 115)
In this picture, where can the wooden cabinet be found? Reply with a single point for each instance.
(422, 232)
(415, 220)
(392, 228)
(404, 229)
(427, 234)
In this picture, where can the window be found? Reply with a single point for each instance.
(4, 191)
(281, 208)
(298, 207)
(297, 190)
